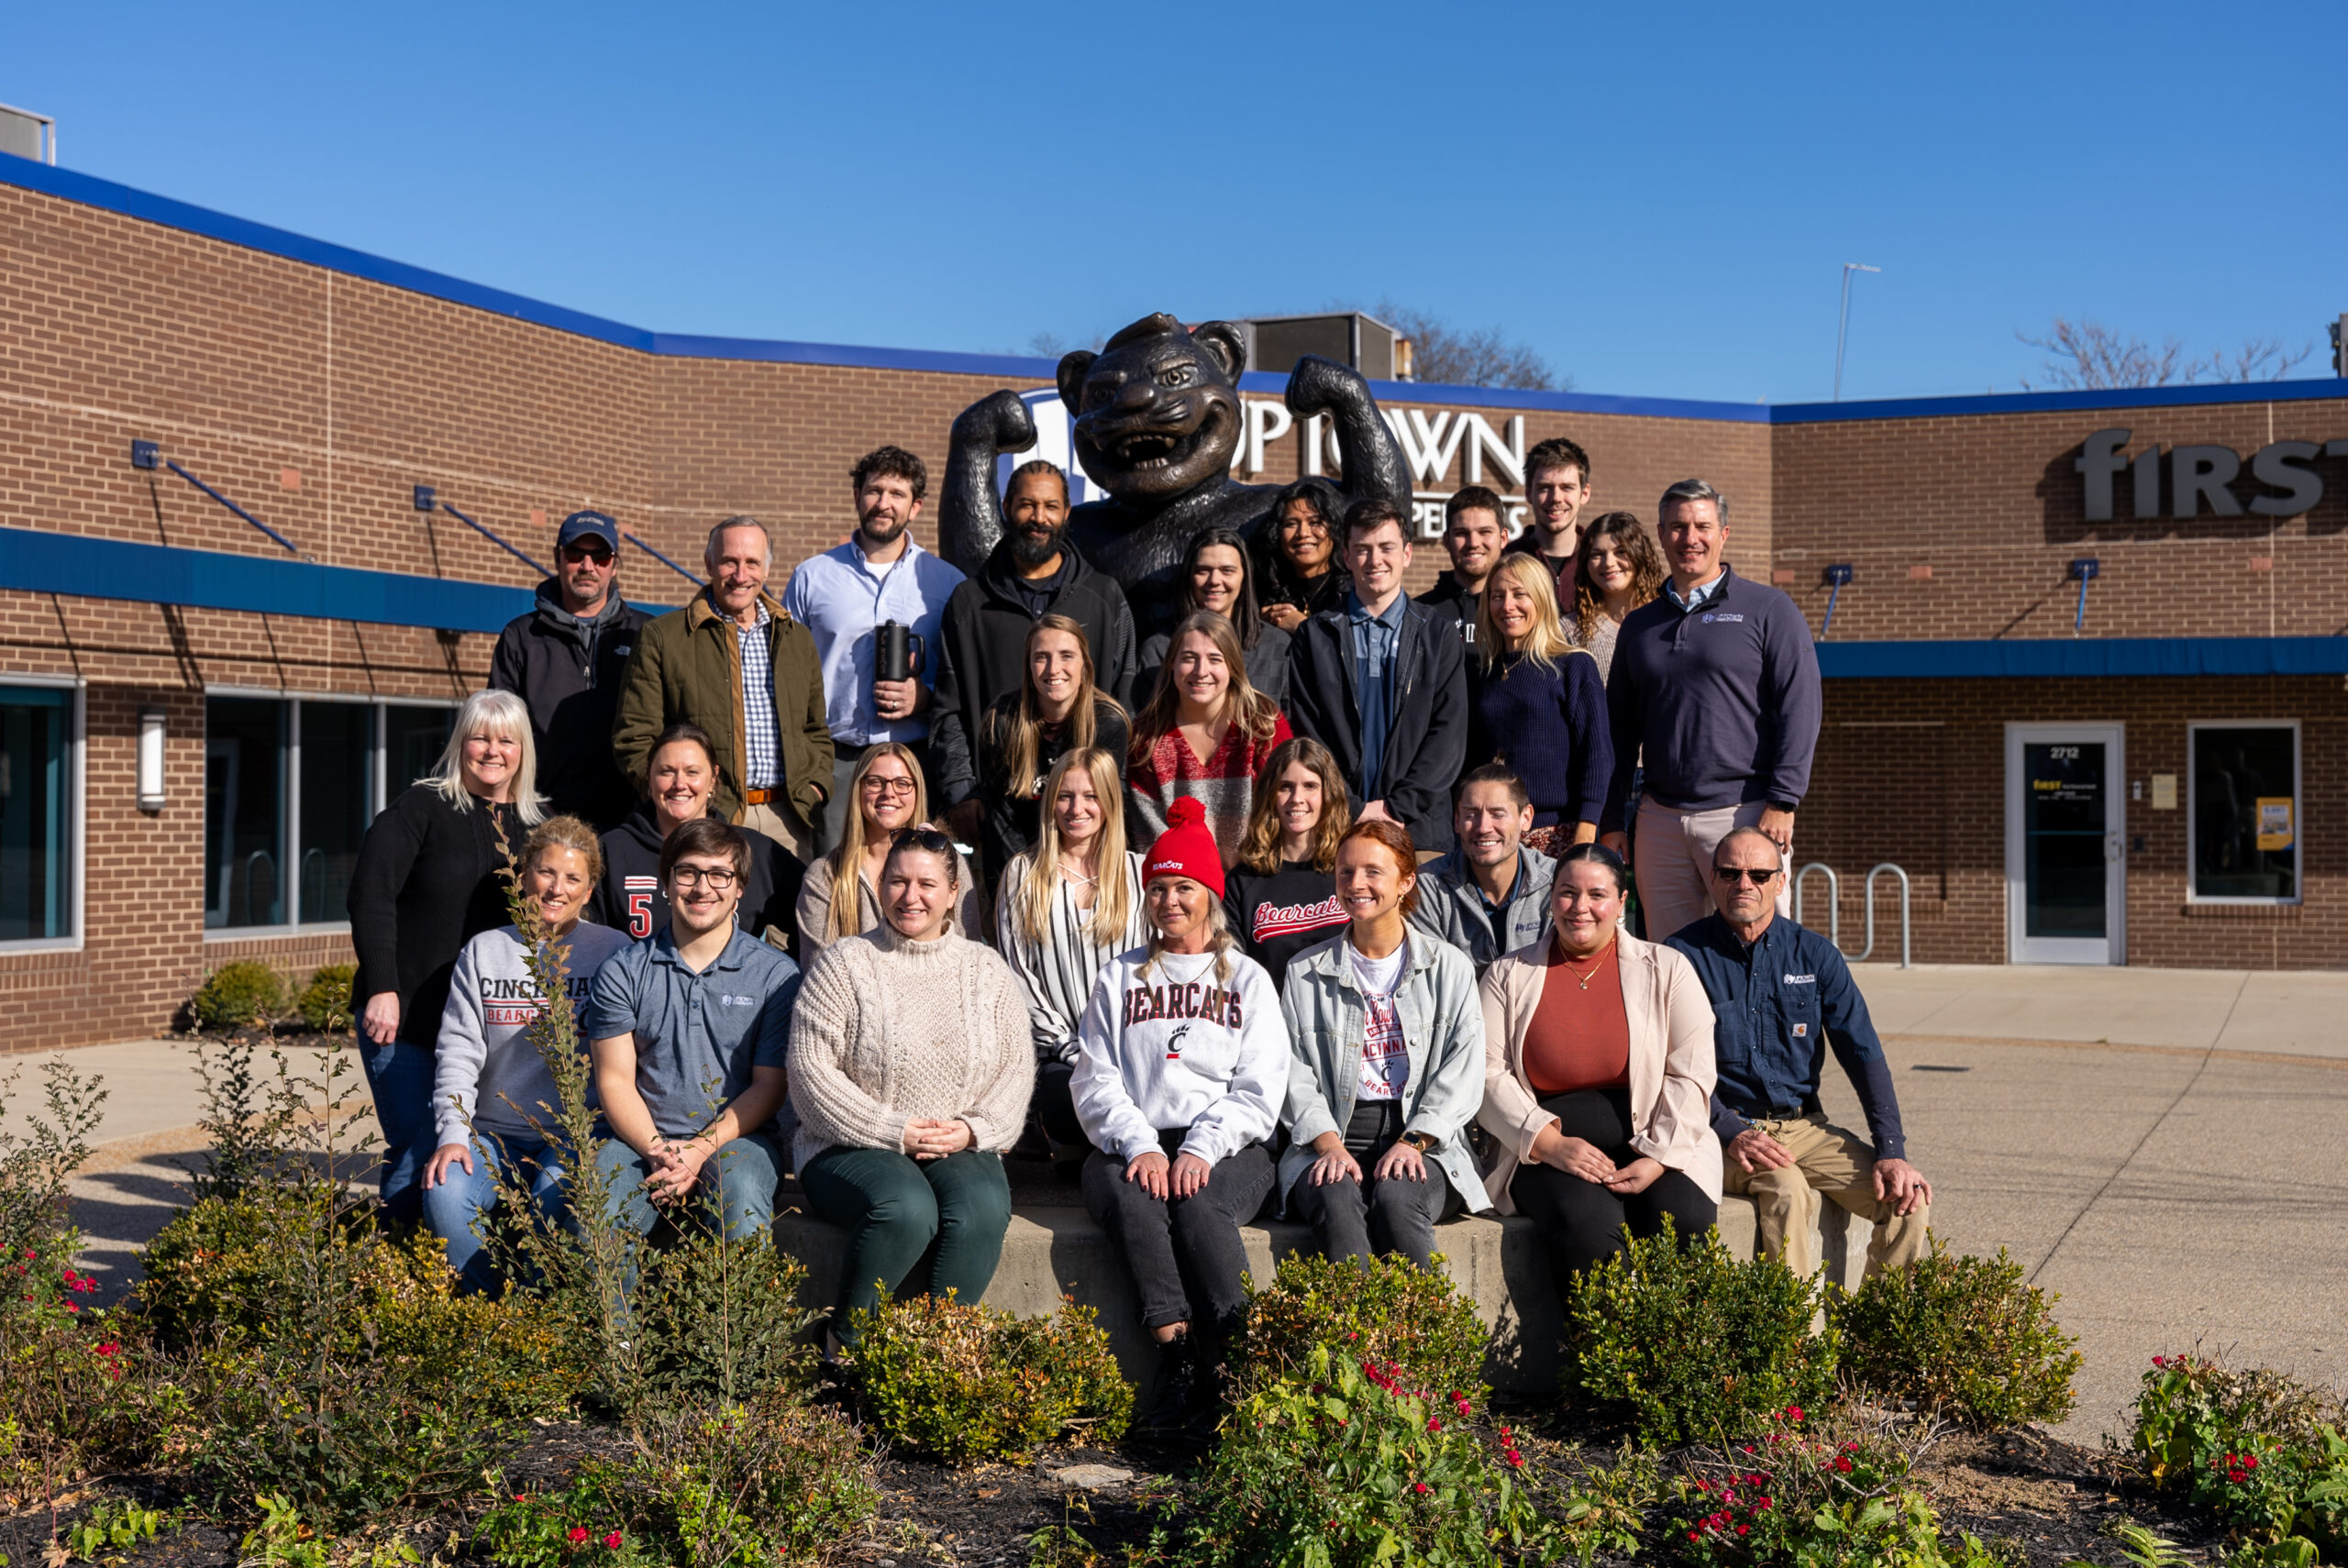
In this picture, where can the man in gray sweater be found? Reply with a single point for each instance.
(1715, 689)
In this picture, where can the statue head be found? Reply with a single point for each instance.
(1157, 409)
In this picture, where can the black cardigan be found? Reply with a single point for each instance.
(426, 884)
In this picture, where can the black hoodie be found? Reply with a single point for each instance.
(629, 897)
(982, 646)
(568, 670)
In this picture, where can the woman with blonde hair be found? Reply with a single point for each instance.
(841, 895)
(1205, 735)
(994, 785)
(1283, 896)
(1541, 706)
(492, 1095)
(1617, 568)
(1063, 910)
(425, 884)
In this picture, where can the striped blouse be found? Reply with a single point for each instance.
(1056, 974)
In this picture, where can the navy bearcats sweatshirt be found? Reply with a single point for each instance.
(1722, 698)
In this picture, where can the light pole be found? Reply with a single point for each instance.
(1843, 326)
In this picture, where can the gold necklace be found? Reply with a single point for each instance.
(1597, 959)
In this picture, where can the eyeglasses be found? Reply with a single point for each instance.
(888, 786)
(927, 839)
(575, 554)
(694, 876)
(1730, 875)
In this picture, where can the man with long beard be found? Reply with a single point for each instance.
(1032, 573)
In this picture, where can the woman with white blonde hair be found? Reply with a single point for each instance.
(1541, 706)
(426, 883)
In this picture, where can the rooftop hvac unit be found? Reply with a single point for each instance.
(1275, 343)
(27, 135)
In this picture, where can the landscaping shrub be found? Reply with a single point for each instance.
(722, 1320)
(973, 1383)
(1387, 1311)
(2263, 1453)
(1692, 1345)
(1961, 1335)
(1348, 1465)
(324, 1002)
(244, 993)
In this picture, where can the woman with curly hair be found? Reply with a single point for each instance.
(1617, 568)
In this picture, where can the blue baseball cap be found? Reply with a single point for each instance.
(589, 526)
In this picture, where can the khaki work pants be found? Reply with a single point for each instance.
(1831, 1162)
(1672, 860)
(784, 827)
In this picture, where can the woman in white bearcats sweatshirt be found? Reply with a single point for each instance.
(492, 1095)
(1182, 1064)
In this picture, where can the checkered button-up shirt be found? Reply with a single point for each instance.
(761, 731)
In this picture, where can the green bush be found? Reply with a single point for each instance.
(1961, 1335)
(2264, 1452)
(721, 1318)
(1691, 1345)
(244, 993)
(1349, 1465)
(324, 1002)
(1389, 1311)
(971, 1384)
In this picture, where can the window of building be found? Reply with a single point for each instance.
(37, 813)
(288, 789)
(2243, 812)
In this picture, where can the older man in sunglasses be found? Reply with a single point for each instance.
(1781, 995)
(565, 660)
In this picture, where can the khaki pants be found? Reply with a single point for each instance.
(784, 827)
(1832, 1162)
(1672, 855)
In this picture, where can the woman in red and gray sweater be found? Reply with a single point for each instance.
(1205, 734)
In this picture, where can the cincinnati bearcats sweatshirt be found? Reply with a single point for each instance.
(485, 1058)
(1165, 1046)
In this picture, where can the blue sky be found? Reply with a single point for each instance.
(1657, 198)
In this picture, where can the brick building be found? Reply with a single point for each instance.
(2136, 780)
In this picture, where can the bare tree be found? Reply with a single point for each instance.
(2087, 356)
(1445, 354)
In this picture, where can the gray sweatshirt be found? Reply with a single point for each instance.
(487, 1066)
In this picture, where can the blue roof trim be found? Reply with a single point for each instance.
(2084, 657)
(85, 568)
(89, 191)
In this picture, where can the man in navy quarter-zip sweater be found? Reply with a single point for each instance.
(1715, 689)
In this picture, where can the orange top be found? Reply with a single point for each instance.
(1580, 1038)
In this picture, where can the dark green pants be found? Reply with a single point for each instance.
(913, 1225)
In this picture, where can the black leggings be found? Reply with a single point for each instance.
(1583, 1222)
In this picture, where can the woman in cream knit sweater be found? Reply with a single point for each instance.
(910, 1068)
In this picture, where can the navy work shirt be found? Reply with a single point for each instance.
(697, 1036)
(1779, 1004)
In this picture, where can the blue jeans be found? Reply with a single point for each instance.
(451, 1209)
(399, 1076)
(739, 1181)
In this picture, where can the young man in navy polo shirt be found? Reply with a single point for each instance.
(689, 1029)
(1781, 995)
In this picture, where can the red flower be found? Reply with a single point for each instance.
(73, 1306)
(1421, 1487)
(1434, 1425)
(2250, 1461)
(2160, 1360)
(612, 1541)
(108, 1347)
(1693, 1536)
(1741, 1529)
(578, 1534)
(1515, 1460)
(2237, 1477)
(1843, 1465)
(1793, 1412)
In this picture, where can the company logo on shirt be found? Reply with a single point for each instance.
(1287, 920)
(1801, 979)
(1196, 999)
(738, 1002)
(1710, 616)
(1802, 1031)
(1174, 1047)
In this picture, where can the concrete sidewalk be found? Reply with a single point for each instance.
(2155, 1145)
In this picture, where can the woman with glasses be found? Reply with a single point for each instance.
(1298, 550)
(998, 793)
(1063, 910)
(1283, 896)
(910, 1068)
(842, 894)
(678, 781)
(426, 883)
(489, 1083)
(1205, 735)
(1182, 1061)
(1386, 1070)
(1216, 576)
(1598, 1077)
(1541, 705)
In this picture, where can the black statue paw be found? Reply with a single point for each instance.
(1324, 386)
(1000, 420)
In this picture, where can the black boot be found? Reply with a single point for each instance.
(1173, 1393)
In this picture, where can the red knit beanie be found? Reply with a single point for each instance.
(1186, 848)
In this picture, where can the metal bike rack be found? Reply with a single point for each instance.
(1873, 873)
(1834, 900)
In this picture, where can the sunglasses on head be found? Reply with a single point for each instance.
(923, 838)
(1757, 875)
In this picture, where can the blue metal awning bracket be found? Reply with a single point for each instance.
(146, 449)
(422, 492)
(1836, 576)
(2083, 572)
(697, 582)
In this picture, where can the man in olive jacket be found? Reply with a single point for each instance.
(774, 752)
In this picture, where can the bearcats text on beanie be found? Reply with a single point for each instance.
(1186, 848)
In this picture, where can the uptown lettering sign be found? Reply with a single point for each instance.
(2202, 480)
(1434, 443)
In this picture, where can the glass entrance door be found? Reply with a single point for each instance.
(2066, 864)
